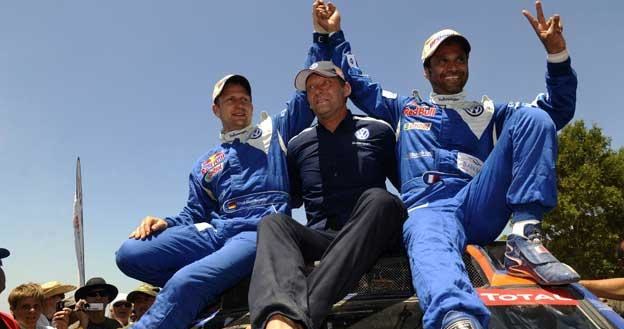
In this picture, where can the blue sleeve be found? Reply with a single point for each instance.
(199, 206)
(298, 115)
(391, 166)
(559, 101)
(367, 95)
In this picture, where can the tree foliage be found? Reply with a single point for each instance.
(589, 220)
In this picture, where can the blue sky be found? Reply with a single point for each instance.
(126, 86)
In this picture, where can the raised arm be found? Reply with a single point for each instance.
(366, 94)
(559, 101)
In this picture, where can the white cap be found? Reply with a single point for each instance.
(218, 88)
(323, 68)
(436, 39)
(121, 297)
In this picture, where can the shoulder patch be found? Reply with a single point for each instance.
(388, 94)
(212, 165)
(351, 60)
(256, 133)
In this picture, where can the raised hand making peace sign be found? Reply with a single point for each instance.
(550, 31)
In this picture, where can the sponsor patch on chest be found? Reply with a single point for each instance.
(417, 125)
(362, 134)
(469, 164)
(213, 165)
(419, 111)
(474, 111)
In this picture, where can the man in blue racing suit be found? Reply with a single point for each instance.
(467, 166)
(211, 244)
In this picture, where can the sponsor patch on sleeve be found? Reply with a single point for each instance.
(351, 60)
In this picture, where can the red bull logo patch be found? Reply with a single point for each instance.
(213, 165)
(419, 111)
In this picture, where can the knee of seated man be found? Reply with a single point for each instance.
(272, 222)
(535, 118)
(128, 255)
(380, 197)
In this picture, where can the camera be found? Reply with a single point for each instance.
(93, 307)
(60, 305)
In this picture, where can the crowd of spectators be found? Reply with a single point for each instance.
(96, 305)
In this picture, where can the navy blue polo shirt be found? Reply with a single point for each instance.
(329, 171)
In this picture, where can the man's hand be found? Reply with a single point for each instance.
(548, 31)
(326, 16)
(317, 26)
(80, 313)
(149, 225)
(60, 319)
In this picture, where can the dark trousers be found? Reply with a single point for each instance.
(278, 282)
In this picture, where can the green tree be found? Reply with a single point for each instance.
(589, 219)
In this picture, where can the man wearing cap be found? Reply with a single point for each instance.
(338, 169)
(6, 320)
(91, 301)
(120, 309)
(142, 299)
(210, 246)
(53, 307)
(466, 166)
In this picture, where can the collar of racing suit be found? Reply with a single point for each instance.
(447, 100)
(241, 134)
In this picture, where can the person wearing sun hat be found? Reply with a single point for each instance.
(53, 293)
(142, 298)
(5, 318)
(120, 309)
(91, 301)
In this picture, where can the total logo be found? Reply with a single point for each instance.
(502, 297)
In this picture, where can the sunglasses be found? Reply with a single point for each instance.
(124, 304)
(95, 293)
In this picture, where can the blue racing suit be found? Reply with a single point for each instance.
(211, 244)
(465, 168)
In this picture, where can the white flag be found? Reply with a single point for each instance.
(78, 228)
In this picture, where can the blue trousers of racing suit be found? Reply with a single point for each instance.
(460, 213)
(183, 259)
